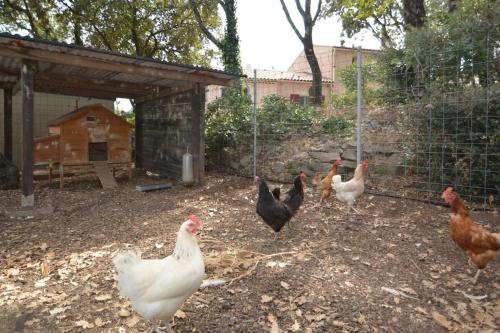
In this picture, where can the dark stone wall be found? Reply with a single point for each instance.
(165, 127)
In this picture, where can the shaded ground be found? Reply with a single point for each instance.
(328, 277)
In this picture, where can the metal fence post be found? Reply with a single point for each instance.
(358, 109)
(254, 123)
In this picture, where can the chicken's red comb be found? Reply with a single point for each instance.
(338, 162)
(195, 219)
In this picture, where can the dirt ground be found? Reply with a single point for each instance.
(392, 268)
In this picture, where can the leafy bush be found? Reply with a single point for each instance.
(228, 123)
(447, 77)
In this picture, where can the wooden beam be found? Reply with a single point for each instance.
(165, 92)
(27, 77)
(120, 87)
(48, 82)
(7, 123)
(95, 93)
(22, 49)
(139, 122)
(198, 148)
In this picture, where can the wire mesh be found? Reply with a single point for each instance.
(429, 123)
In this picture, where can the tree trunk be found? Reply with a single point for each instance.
(414, 13)
(317, 87)
(231, 47)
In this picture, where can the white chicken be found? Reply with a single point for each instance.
(158, 287)
(349, 191)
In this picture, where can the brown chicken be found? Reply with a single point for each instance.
(481, 246)
(325, 186)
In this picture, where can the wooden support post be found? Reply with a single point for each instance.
(50, 174)
(61, 176)
(130, 171)
(138, 134)
(197, 133)
(7, 123)
(27, 78)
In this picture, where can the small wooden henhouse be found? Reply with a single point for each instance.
(91, 137)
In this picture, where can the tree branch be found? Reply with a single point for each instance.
(317, 13)
(287, 14)
(202, 26)
(299, 7)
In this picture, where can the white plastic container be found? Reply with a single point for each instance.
(187, 168)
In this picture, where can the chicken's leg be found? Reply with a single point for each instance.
(474, 279)
(276, 236)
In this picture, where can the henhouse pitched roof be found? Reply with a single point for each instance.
(83, 111)
(82, 71)
(274, 75)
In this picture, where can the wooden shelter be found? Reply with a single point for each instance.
(84, 137)
(169, 98)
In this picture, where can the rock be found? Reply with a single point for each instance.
(349, 154)
(325, 156)
(375, 149)
(278, 167)
(322, 167)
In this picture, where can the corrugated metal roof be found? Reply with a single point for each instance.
(98, 69)
(274, 75)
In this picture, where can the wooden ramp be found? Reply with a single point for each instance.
(104, 174)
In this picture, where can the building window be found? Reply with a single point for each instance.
(91, 119)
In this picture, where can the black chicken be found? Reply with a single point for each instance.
(295, 196)
(274, 212)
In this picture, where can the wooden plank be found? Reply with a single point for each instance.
(23, 50)
(104, 174)
(7, 123)
(139, 123)
(27, 76)
(198, 141)
(153, 187)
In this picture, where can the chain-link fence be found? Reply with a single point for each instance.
(430, 119)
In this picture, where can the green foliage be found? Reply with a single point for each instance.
(383, 18)
(229, 124)
(447, 77)
(149, 28)
(371, 73)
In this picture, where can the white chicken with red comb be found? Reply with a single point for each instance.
(158, 287)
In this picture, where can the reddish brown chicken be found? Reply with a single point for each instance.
(325, 186)
(480, 245)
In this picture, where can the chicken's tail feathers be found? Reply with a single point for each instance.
(123, 260)
(497, 237)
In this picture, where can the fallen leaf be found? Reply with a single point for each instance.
(57, 310)
(45, 267)
(421, 310)
(285, 285)
(180, 314)
(41, 283)
(102, 298)
(13, 272)
(98, 322)
(132, 321)
(266, 299)
(84, 324)
(274, 323)
(124, 313)
(442, 320)
(295, 327)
